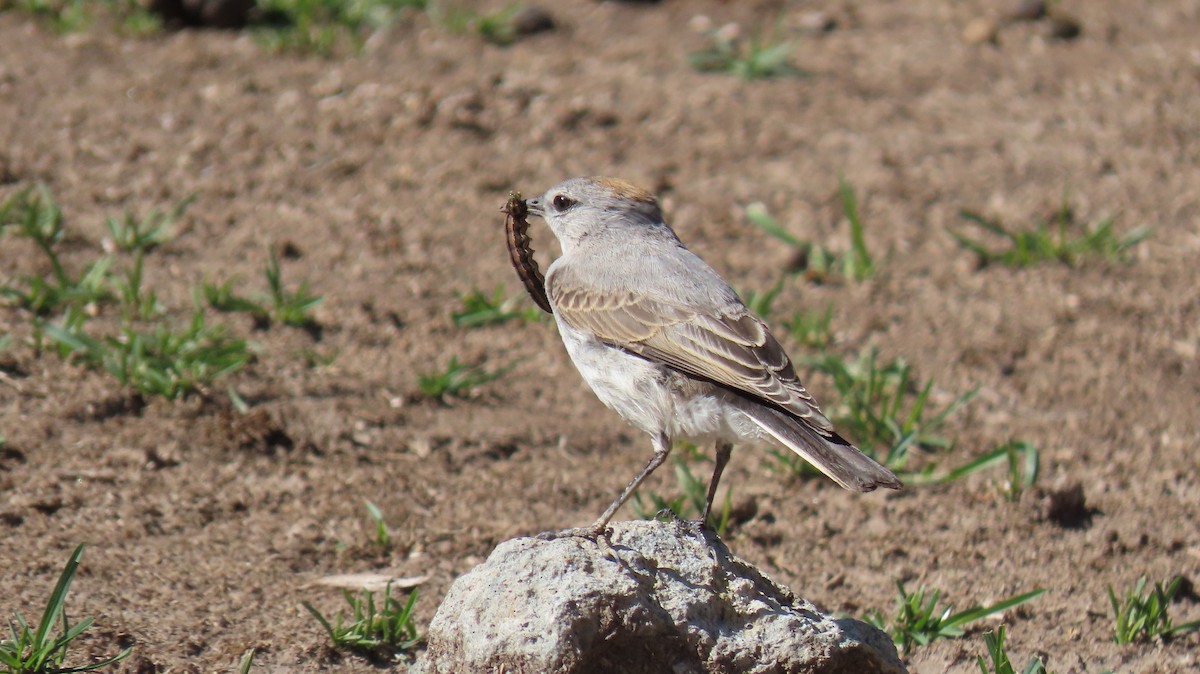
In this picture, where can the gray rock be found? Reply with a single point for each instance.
(655, 598)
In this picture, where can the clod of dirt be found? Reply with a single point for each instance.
(981, 30)
(1028, 10)
(654, 597)
(288, 250)
(8, 175)
(256, 430)
(10, 456)
(1064, 27)
(9, 365)
(203, 13)
(1067, 507)
(144, 665)
(122, 403)
(532, 20)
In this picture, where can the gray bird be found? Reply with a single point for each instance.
(664, 341)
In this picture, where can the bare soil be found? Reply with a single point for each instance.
(382, 175)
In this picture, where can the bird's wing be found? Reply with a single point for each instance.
(732, 348)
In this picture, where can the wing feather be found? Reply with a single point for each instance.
(733, 349)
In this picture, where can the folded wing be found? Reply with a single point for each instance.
(733, 349)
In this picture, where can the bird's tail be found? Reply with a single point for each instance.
(832, 455)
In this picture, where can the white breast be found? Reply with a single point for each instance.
(645, 394)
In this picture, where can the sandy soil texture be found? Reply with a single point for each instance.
(379, 179)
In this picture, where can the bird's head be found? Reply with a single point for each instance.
(579, 208)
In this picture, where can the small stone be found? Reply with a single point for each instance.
(1064, 27)
(981, 30)
(532, 20)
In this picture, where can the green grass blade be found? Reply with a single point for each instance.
(864, 266)
(58, 597)
(757, 214)
(321, 619)
(972, 614)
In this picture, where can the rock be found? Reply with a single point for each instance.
(981, 30)
(655, 597)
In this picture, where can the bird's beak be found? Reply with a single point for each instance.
(535, 207)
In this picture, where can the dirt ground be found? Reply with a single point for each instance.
(382, 177)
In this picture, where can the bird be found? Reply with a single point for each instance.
(664, 341)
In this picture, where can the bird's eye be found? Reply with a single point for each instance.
(563, 202)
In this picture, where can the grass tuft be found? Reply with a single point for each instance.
(812, 330)
(141, 346)
(158, 227)
(817, 262)
(36, 216)
(762, 303)
(1145, 615)
(162, 360)
(327, 27)
(760, 57)
(884, 408)
(857, 264)
(1022, 459)
(36, 650)
(279, 305)
(494, 27)
(1055, 241)
(386, 629)
(289, 308)
(456, 380)
(919, 620)
(382, 537)
(70, 16)
(1001, 663)
(478, 310)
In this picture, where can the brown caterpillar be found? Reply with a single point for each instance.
(516, 228)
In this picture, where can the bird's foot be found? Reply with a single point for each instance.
(668, 515)
(695, 527)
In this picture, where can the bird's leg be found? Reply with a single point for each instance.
(662, 447)
(724, 449)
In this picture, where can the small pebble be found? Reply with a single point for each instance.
(981, 30)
